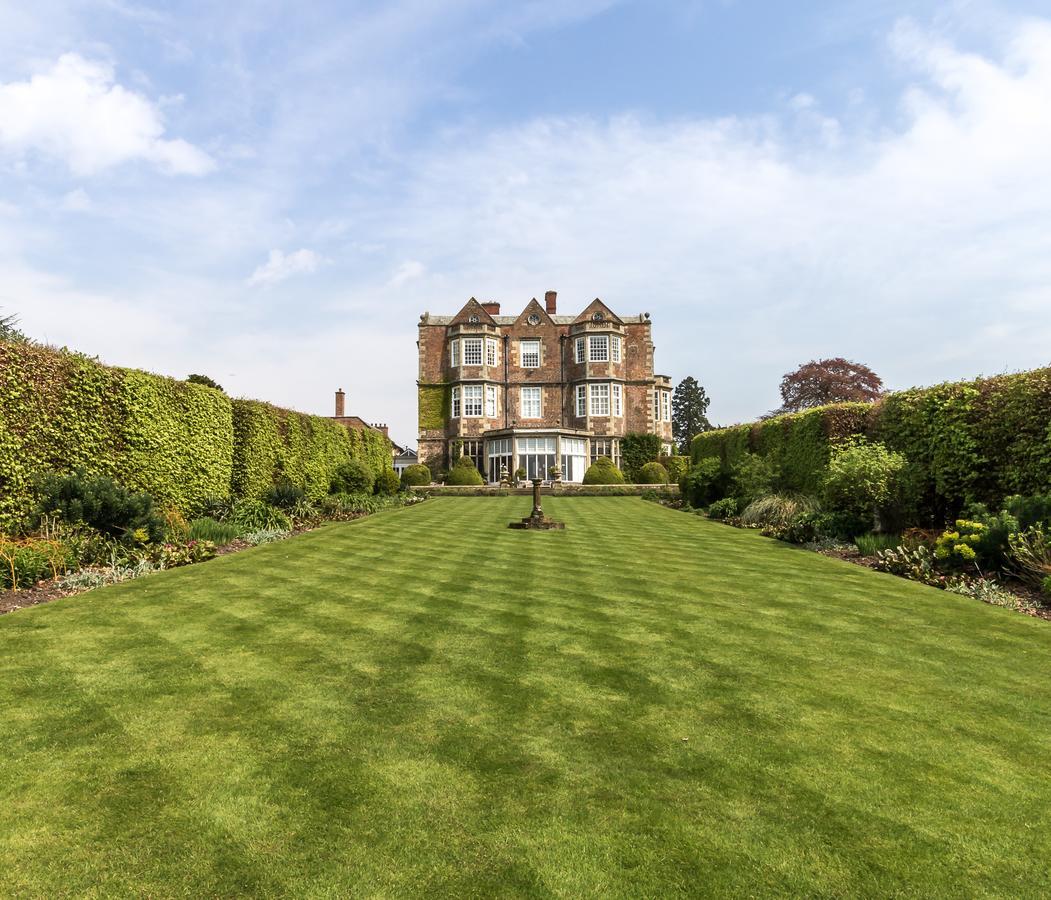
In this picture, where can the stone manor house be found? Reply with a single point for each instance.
(537, 389)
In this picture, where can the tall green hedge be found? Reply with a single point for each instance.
(974, 440)
(181, 442)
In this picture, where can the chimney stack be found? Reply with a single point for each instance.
(492, 308)
(341, 404)
(549, 302)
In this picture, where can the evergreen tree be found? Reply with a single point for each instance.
(689, 412)
(205, 380)
(9, 330)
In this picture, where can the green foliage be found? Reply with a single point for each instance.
(9, 330)
(208, 529)
(862, 479)
(352, 477)
(1031, 510)
(435, 405)
(636, 450)
(703, 483)
(677, 467)
(285, 495)
(62, 412)
(464, 473)
(754, 476)
(252, 515)
(723, 509)
(205, 380)
(602, 471)
(415, 475)
(387, 482)
(914, 563)
(777, 510)
(272, 443)
(171, 556)
(652, 473)
(689, 417)
(25, 562)
(102, 504)
(1029, 554)
(871, 544)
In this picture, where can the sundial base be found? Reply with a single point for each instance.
(536, 520)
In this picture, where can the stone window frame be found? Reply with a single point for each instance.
(490, 351)
(594, 342)
(579, 351)
(582, 401)
(454, 353)
(522, 352)
(533, 392)
(475, 346)
(614, 348)
(473, 399)
(456, 403)
(599, 399)
(490, 401)
(616, 399)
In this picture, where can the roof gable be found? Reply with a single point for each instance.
(597, 306)
(466, 316)
(533, 309)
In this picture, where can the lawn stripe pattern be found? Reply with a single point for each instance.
(427, 702)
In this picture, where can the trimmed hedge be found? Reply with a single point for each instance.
(978, 440)
(62, 412)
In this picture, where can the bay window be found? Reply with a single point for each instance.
(618, 405)
(578, 350)
(599, 399)
(490, 352)
(454, 353)
(472, 351)
(490, 401)
(582, 400)
(537, 456)
(598, 348)
(472, 400)
(614, 343)
(456, 403)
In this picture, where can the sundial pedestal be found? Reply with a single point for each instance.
(536, 519)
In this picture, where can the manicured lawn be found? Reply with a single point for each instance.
(425, 701)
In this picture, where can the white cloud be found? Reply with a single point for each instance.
(76, 201)
(280, 266)
(409, 270)
(75, 112)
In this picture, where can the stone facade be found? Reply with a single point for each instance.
(537, 390)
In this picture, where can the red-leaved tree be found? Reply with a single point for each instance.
(828, 381)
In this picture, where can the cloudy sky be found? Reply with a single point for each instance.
(271, 193)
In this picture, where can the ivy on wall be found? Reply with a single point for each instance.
(182, 443)
(976, 440)
(435, 406)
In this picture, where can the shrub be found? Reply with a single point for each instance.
(415, 475)
(1030, 557)
(723, 509)
(871, 544)
(700, 486)
(387, 482)
(285, 495)
(464, 473)
(176, 527)
(914, 563)
(677, 467)
(754, 477)
(104, 505)
(602, 471)
(352, 477)
(265, 536)
(636, 450)
(171, 556)
(253, 515)
(862, 478)
(982, 540)
(777, 511)
(652, 473)
(1030, 511)
(208, 529)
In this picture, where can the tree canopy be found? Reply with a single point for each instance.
(689, 412)
(824, 381)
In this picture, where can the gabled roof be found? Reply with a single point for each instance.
(597, 306)
(533, 308)
(471, 309)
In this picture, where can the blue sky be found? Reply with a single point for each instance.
(272, 193)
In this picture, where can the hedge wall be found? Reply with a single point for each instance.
(270, 443)
(976, 440)
(181, 442)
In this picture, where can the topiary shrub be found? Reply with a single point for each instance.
(464, 473)
(102, 504)
(352, 477)
(387, 482)
(415, 475)
(652, 473)
(602, 471)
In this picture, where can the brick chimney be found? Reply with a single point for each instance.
(341, 404)
(492, 308)
(549, 302)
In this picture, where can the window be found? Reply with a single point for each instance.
(499, 453)
(607, 447)
(578, 350)
(490, 352)
(599, 348)
(472, 400)
(456, 403)
(582, 400)
(530, 403)
(537, 456)
(665, 406)
(490, 401)
(472, 351)
(618, 406)
(574, 459)
(529, 353)
(599, 399)
(472, 449)
(656, 406)
(614, 343)
(454, 353)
